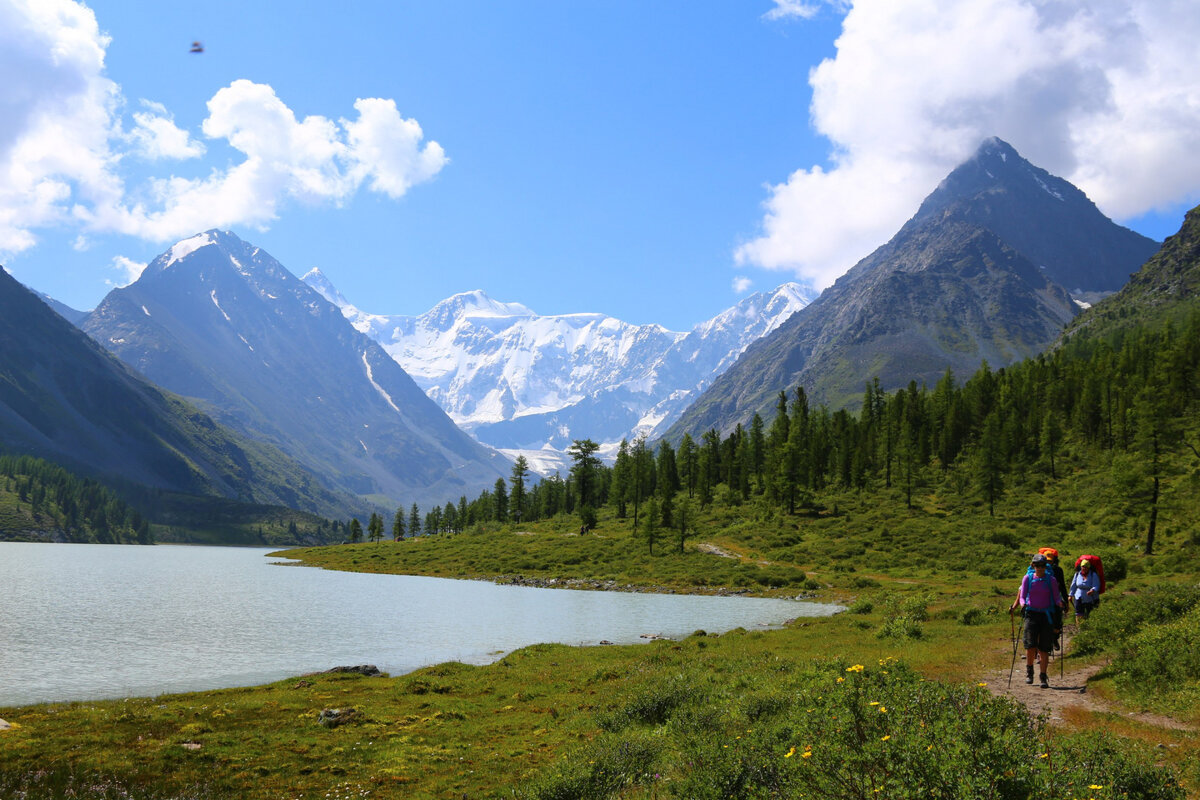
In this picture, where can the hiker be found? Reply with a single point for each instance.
(1039, 598)
(1085, 590)
(1052, 556)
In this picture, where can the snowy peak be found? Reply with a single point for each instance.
(317, 280)
(468, 305)
(523, 381)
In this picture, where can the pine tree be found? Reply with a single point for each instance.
(500, 501)
(516, 499)
(356, 531)
(414, 521)
(398, 525)
(375, 527)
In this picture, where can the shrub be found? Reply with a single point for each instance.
(835, 731)
(972, 616)
(1119, 618)
(1163, 655)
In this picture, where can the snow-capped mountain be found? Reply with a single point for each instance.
(226, 325)
(522, 381)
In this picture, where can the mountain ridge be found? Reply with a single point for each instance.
(947, 292)
(222, 322)
(528, 382)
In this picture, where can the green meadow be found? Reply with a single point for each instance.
(787, 713)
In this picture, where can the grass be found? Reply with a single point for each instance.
(929, 589)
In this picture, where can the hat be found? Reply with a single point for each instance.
(1038, 561)
(1085, 563)
(1049, 552)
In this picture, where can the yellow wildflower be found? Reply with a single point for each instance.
(982, 683)
(883, 709)
(806, 754)
(841, 680)
(885, 738)
(855, 668)
(873, 703)
(1095, 786)
(790, 753)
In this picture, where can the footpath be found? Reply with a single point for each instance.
(1068, 690)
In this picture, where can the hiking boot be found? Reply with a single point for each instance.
(1045, 683)
(1029, 673)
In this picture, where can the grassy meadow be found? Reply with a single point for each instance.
(883, 700)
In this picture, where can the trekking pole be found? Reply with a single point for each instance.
(1013, 625)
(1062, 653)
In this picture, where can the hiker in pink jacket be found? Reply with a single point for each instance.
(1041, 602)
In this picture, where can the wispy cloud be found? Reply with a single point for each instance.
(128, 269)
(742, 284)
(1103, 92)
(64, 141)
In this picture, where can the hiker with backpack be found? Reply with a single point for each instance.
(1052, 556)
(1039, 598)
(1085, 590)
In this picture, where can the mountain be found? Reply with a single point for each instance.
(226, 325)
(65, 399)
(534, 383)
(979, 273)
(72, 315)
(1165, 288)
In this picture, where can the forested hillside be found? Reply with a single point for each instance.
(40, 500)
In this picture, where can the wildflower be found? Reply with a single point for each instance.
(841, 680)
(806, 754)
(885, 738)
(790, 753)
(883, 709)
(855, 668)
(1095, 786)
(982, 683)
(1043, 755)
(874, 703)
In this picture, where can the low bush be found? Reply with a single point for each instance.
(1119, 618)
(837, 731)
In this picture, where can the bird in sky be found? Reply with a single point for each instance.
(197, 47)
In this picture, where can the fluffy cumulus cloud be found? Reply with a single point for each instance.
(64, 140)
(1105, 93)
(156, 136)
(741, 284)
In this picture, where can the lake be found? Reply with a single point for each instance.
(83, 622)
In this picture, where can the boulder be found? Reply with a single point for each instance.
(333, 717)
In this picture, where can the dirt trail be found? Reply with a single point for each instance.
(1067, 691)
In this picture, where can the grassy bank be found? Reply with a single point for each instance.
(709, 716)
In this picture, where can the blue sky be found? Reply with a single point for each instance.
(652, 159)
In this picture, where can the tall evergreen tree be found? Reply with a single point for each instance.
(516, 500)
(414, 520)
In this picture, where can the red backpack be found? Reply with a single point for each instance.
(1095, 563)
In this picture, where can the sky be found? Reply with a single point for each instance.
(655, 160)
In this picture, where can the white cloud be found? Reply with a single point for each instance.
(130, 270)
(63, 140)
(55, 120)
(785, 9)
(742, 284)
(1103, 92)
(156, 137)
(386, 148)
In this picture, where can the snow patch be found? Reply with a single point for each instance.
(213, 295)
(181, 250)
(378, 388)
(145, 311)
(1082, 304)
